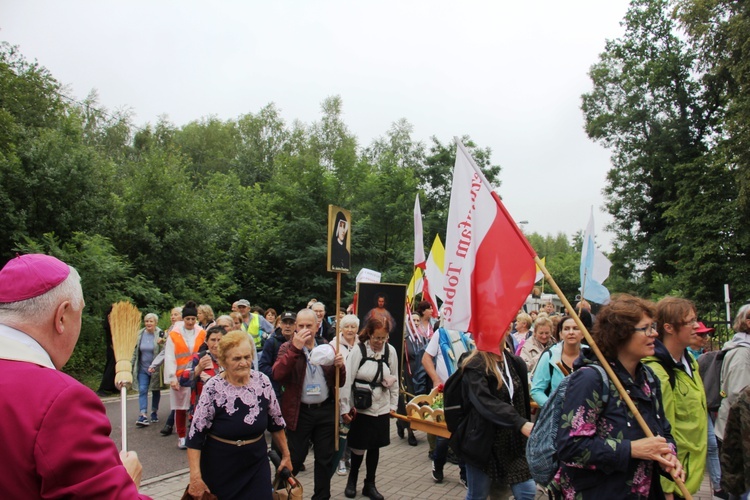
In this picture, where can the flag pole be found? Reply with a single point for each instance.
(336, 389)
(595, 348)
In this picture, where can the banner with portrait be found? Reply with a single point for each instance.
(339, 239)
(386, 301)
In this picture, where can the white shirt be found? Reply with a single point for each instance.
(22, 347)
(434, 350)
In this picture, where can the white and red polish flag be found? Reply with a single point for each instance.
(489, 264)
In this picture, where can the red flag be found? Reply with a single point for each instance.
(426, 295)
(489, 264)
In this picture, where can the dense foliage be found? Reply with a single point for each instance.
(671, 98)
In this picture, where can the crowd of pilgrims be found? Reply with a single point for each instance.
(236, 376)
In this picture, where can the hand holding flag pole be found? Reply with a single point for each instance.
(603, 361)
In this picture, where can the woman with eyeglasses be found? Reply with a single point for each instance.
(372, 369)
(602, 449)
(682, 392)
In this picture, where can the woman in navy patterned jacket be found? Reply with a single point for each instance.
(603, 451)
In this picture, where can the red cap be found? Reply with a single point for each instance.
(703, 328)
(28, 276)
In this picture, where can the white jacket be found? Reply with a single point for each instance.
(384, 399)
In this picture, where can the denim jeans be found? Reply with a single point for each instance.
(440, 456)
(480, 486)
(144, 380)
(712, 458)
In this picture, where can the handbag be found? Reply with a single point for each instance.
(361, 397)
(287, 489)
(205, 496)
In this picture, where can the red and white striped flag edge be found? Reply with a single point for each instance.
(489, 264)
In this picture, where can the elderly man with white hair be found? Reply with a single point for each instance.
(55, 434)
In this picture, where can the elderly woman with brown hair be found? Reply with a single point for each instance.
(602, 449)
(226, 449)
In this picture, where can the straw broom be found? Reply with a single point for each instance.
(124, 320)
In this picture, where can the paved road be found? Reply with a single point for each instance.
(403, 472)
(159, 455)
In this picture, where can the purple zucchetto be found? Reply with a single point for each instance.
(31, 275)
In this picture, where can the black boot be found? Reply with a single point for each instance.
(412, 438)
(166, 431)
(351, 484)
(371, 492)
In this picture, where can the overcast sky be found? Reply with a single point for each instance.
(509, 74)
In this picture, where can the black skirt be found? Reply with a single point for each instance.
(368, 432)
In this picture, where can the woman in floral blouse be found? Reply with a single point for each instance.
(603, 451)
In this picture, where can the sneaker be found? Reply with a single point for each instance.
(154, 417)
(437, 474)
(142, 421)
(341, 471)
(181, 444)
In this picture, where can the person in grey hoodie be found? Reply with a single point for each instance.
(735, 370)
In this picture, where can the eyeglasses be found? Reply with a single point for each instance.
(647, 330)
(378, 339)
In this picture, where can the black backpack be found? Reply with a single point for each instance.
(709, 366)
(453, 408)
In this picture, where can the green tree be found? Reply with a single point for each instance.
(106, 277)
(212, 146)
(50, 179)
(651, 107)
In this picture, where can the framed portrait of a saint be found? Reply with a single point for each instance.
(339, 239)
(386, 302)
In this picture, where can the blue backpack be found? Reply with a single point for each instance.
(452, 346)
(541, 448)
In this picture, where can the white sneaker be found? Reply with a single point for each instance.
(181, 443)
(341, 471)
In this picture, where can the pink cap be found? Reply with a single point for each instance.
(28, 276)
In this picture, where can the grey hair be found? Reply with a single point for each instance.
(226, 317)
(350, 319)
(318, 304)
(31, 309)
(308, 312)
(740, 321)
(153, 316)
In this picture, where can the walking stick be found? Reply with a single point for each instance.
(336, 389)
(124, 320)
(595, 348)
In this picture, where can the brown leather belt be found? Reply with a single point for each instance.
(238, 442)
